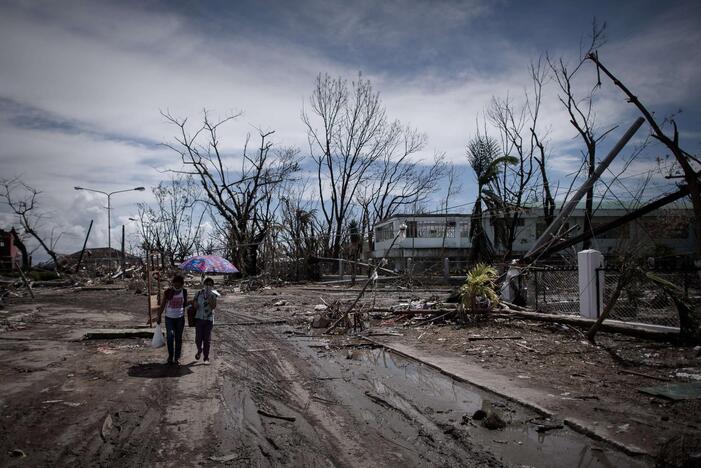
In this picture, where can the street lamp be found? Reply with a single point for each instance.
(109, 211)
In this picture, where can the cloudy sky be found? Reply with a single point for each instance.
(82, 83)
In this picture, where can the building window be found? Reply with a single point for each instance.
(450, 229)
(384, 233)
(465, 230)
(433, 229)
(411, 229)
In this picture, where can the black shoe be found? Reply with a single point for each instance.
(169, 361)
(197, 356)
(177, 362)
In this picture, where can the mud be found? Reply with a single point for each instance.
(273, 396)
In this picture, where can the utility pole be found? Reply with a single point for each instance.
(123, 259)
(109, 214)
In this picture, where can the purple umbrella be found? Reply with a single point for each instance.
(208, 264)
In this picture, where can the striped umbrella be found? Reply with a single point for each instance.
(208, 264)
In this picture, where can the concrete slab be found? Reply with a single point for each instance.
(112, 333)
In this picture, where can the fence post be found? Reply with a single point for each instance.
(532, 290)
(446, 269)
(591, 284)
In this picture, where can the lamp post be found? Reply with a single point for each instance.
(109, 213)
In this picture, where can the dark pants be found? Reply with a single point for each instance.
(174, 336)
(203, 336)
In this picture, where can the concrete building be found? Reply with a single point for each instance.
(432, 237)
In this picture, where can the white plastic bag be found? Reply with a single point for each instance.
(158, 340)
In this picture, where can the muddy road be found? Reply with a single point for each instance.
(355, 404)
(273, 396)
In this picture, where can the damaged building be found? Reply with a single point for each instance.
(430, 238)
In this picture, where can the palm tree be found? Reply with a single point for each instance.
(479, 283)
(484, 156)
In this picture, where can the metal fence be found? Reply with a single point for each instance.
(556, 290)
(644, 301)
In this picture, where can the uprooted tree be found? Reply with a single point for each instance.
(242, 196)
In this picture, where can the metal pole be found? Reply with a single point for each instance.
(567, 209)
(123, 256)
(109, 232)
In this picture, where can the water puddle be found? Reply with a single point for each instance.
(428, 398)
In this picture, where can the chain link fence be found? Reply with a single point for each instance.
(556, 290)
(644, 301)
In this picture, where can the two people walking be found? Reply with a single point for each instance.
(175, 304)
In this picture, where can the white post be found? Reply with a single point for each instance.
(509, 286)
(589, 293)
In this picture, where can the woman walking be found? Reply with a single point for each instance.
(204, 302)
(174, 300)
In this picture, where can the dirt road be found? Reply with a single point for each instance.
(274, 396)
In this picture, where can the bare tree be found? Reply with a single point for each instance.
(581, 112)
(173, 224)
(511, 187)
(349, 135)
(397, 180)
(299, 238)
(452, 189)
(539, 74)
(23, 200)
(242, 196)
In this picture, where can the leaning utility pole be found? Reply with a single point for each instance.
(82, 251)
(566, 210)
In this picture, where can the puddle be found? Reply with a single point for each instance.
(428, 398)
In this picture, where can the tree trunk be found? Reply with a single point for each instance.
(22, 248)
(591, 334)
(589, 206)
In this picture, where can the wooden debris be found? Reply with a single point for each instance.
(413, 311)
(276, 416)
(106, 428)
(526, 347)
(479, 338)
(642, 374)
(26, 282)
